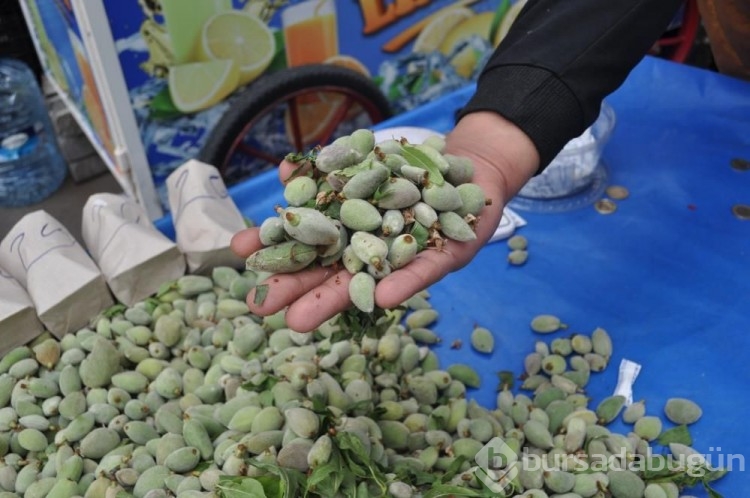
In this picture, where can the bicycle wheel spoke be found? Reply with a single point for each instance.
(338, 117)
(294, 118)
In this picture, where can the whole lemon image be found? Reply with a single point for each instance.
(241, 37)
(477, 25)
(199, 85)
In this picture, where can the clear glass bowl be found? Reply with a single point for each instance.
(574, 168)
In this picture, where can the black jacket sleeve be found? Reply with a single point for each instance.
(561, 58)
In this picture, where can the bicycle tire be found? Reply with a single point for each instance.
(270, 90)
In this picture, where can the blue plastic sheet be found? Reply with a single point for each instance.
(667, 274)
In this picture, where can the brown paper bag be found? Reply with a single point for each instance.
(133, 255)
(18, 321)
(64, 283)
(205, 217)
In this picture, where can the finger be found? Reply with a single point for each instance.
(283, 289)
(320, 304)
(246, 242)
(427, 268)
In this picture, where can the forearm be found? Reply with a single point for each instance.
(504, 156)
(560, 59)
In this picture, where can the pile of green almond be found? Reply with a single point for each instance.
(370, 208)
(187, 394)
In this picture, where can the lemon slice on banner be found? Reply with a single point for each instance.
(241, 37)
(434, 32)
(315, 112)
(200, 85)
(508, 19)
(467, 59)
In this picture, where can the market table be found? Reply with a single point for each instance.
(667, 274)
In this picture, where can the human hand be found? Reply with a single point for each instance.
(504, 158)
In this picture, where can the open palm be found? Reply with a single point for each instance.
(314, 295)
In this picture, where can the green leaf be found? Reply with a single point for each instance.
(507, 380)
(165, 288)
(420, 234)
(279, 58)
(246, 487)
(417, 158)
(320, 474)
(354, 324)
(296, 157)
(261, 291)
(394, 91)
(362, 491)
(151, 304)
(333, 210)
(712, 493)
(162, 106)
(114, 310)
(349, 441)
(453, 469)
(273, 487)
(715, 475)
(500, 12)
(266, 385)
(357, 459)
(350, 171)
(406, 472)
(417, 86)
(319, 405)
(658, 467)
(679, 434)
(248, 222)
(327, 479)
(291, 481)
(203, 465)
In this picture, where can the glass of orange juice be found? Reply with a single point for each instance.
(310, 32)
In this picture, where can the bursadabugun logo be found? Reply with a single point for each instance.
(498, 466)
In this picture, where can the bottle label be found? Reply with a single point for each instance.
(19, 143)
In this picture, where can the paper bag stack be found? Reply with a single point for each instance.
(64, 283)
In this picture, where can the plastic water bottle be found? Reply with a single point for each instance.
(31, 165)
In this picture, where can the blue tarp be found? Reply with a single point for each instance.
(667, 274)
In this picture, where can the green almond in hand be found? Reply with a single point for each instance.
(362, 291)
(286, 257)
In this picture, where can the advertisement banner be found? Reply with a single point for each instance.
(229, 82)
(67, 62)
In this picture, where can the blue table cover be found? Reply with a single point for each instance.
(667, 274)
